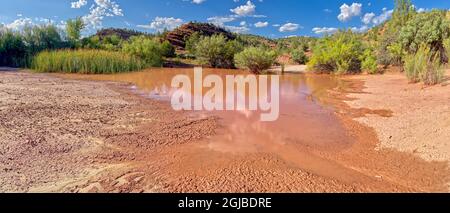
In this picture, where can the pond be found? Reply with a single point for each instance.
(304, 119)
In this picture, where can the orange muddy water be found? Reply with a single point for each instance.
(302, 116)
(309, 135)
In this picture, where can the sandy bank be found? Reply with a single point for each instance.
(421, 115)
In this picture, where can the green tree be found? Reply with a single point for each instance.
(389, 51)
(13, 51)
(256, 59)
(73, 30)
(298, 56)
(192, 42)
(216, 51)
(145, 48)
(430, 29)
(369, 61)
(339, 53)
(168, 50)
(44, 37)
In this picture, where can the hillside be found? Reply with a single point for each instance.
(123, 34)
(178, 36)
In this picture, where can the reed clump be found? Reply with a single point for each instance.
(86, 62)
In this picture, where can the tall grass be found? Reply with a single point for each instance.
(86, 62)
(425, 65)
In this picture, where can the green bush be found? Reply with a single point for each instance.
(73, 30)
(298, 56)
(255, 59)
(17, 48)
(216, 51)
(86, 62)
(12, 49)
(447, 48)
(168, 50)
(369, 62)
(424, 65)
(338, 53)
(145, 48)
(430, 28)
(44, 37)
(192, 42)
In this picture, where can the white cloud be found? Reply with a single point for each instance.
(244, 10)
(261, 24)
(19, 24)
(324, 30)
(360, 29)
(220, 20)
(198, 1)
(243, 23)
(347, 12)
(421, 10)
(289, 27)
(163, 23)
(234, 29)
(100, 10)
(78, 4)
(367, 18)
(385, 15)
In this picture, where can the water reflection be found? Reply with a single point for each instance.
(304, 119)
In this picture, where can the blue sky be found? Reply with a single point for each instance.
(271, 18)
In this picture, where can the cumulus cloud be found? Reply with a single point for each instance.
(289, 27)
(79, 4)
(220, 20)
(385, 15)
(367, 18)
(99, 10)
(360, 29)
(324, 30)
(21, 23)
(244, 10)
(347, 12)
(261, 24)
(160, 24)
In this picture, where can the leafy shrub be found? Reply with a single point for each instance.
(447, 48)
(424, 66)
(145, 48)
(73, 30)
(86, 62)
(44, 37)
(369, 62)
(168, 50)
(338, 53)
(192, 42)
(216, 51)
(12, 49)
(298, 56)
(429, 28)
(256, 59)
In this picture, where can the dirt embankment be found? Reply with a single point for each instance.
(61, 135)
(420, 121)
(57, 133)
